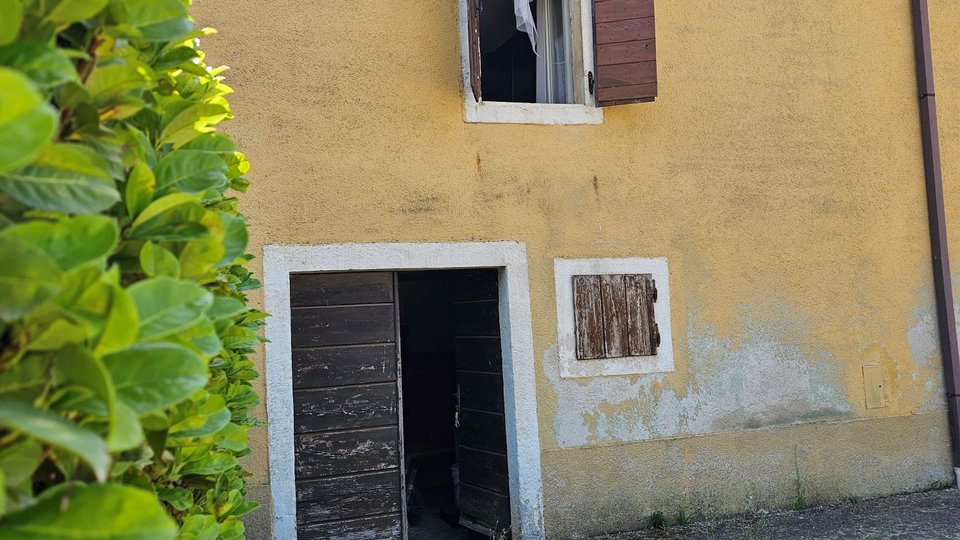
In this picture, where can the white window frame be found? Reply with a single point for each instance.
(516, 336)
(570, 366)
(499, 112)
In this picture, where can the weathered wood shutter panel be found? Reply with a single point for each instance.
(625, 45)
(614, 316)
(588, 311)
(473, 35)
(481, 433)
(346, 408)
(642, 327)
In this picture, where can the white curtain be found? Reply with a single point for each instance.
(525, 22)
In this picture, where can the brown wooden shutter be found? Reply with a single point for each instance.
(473, 31)
(588, 312)
(614, 316)
(625, 46)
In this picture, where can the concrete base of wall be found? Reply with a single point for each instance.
(258, 521)
(613, 488)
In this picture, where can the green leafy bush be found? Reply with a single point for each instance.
(124, 326)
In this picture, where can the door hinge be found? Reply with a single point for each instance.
(590, 81)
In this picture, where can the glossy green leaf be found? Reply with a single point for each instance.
(151, 20)
(67, 178)
(46, 65)
(52, 429)
(32, 279)
(234, 237)
(140, 188)
(151, 376)
(85, 512)
(19, 460)
(60, 332)
(27, 121)
(71, 241)
(12, 18)
(225, 307)
(211, 417)
(199, 527)
(166, 305)
(162, 205)
(175, 57)
(193, 121)
(190, 171)
(107, 82)
(158, 261)
(213, 143)
(67, 11)
(211, 464)
(120, 327)
(177, 497)
(125, 432)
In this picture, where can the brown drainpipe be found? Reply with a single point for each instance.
(938, 223)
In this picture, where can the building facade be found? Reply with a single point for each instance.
(773, 191)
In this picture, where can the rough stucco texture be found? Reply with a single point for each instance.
(779, 171)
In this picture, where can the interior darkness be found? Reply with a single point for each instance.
(429, 385)
(509, 72)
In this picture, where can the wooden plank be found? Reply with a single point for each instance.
(473, 34)
(352, 325)
(638, 323)
(345, 497)
(627, 74)
(346, 452)
(627, 94)
(483, 430)
(476, 284)
(615, 333)
(477, 318)
(489, 508)
(338, 366)
(369, 528)
(629, 30)
(618, 10)
(481, 391)
(627, 52)
(344, 407)
(479, 354)
(588, 314)
(485, 469)
(341, 288)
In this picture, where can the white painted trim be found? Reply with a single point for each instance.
(531, 113)
(519, 378)
(570, 367)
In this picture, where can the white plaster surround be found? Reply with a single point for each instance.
(520, 403)
(570, 367)
(497, 112)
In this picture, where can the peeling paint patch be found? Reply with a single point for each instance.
(923, 340)
(761, 378)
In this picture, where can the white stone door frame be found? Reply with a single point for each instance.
(519, 381)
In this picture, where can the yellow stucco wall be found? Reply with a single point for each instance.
(779, 171)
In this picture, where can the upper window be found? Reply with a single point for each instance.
(555, 61)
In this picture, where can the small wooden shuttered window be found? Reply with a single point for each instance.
(626, 54)
(614, 316)
(473, 34)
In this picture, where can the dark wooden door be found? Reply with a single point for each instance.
(346, 406)
(481, 435)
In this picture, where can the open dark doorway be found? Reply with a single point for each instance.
(452, 405)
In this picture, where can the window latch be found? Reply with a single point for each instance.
(590, 81)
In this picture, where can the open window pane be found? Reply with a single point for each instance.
(512, 71)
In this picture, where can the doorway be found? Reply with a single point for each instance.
(453, 416)
(398, 405)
